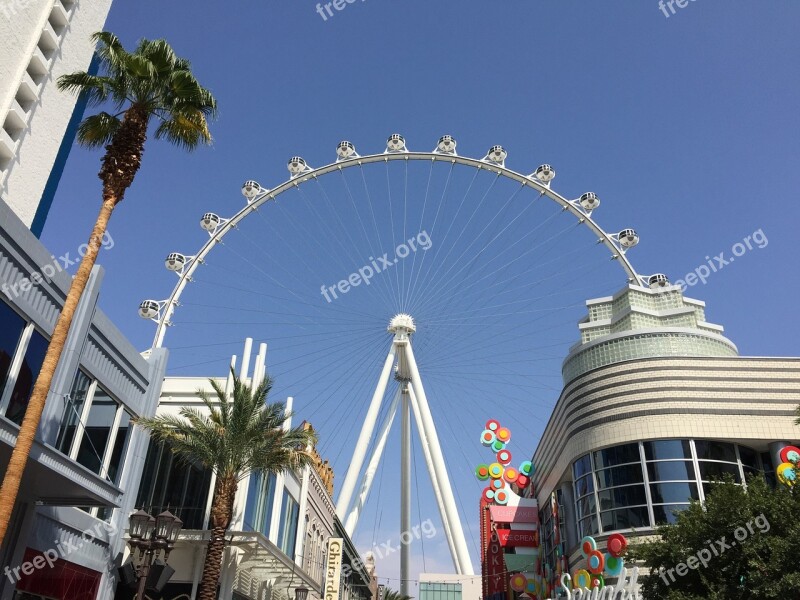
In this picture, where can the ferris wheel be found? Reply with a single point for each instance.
(437, 287)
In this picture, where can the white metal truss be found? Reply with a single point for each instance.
(410, 398)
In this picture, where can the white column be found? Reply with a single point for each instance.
(405, 496)
(245, 367)
(437, 491)
(363, 438)
(366, 482)
(429, 431)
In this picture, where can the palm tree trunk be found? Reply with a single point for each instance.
(120, 163)
(33, 413)
(221, 513)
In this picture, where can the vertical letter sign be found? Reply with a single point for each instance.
(333, 569)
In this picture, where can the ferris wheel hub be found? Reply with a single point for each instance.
(402, 322)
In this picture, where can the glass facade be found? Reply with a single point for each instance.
(429, 590)
(547, 530)
(643, 484)
(169, 483)
(644, 345)
(260, 499)
(287, 535)
(26, 377)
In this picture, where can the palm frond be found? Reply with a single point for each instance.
(98, 130)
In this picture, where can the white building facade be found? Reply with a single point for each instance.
(656, 404)
(40, 40)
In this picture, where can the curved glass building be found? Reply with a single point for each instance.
(656, 403)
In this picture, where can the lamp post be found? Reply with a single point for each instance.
(151, 536)
(300, 593)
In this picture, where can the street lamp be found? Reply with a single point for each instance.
(300, 593)
(150, 536)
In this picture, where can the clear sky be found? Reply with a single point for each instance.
(686, 126)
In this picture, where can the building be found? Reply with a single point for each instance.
(85, 465)
(281, 522)
(40, 40)
(442, 586)
(656, 402)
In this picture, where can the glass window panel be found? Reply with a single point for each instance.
(667, 450)
(11, 326)
(618, 455)
(72, 411)
(626, 518)
(674, 470)
(714, 470)
(581, 467)
(749, 457)
(120, 446)
(620, 476)
(666, 513)
(584, 486)
(588, 526)
(624, 496)
(673, 493)
(288, 529)
(586, 506)
(711, 450)
(28, 372)
(97, 430)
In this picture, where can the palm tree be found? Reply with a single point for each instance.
(390, 594)
(232, 437)
(150, 83)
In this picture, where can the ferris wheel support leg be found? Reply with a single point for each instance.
(437, 492)
(372, 467)
(405, 496)
(363, 438)
(459, 549)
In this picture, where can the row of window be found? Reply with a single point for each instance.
(94, 429)
(642, 484)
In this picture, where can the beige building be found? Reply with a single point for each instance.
(656, 403)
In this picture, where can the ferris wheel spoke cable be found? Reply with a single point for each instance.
(475, 238)
(372, 252)
(419, 228)
(496, 271)
(375, 225)
(394, 240)
(355, 261)
(432, 276)
(439, 207)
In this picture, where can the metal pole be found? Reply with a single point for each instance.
(372, 467)
(405, 496)
(429, 431)
(144, 571)
(437, 491)
(363, 438)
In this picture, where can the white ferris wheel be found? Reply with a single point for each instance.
(480, 272)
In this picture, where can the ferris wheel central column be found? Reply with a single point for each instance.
(428, 432)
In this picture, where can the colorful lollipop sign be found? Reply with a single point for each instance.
(500, 475)
(789, 471)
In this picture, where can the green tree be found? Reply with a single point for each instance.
(740, 545)
(233, 437)
(150, 83)
(390, 594)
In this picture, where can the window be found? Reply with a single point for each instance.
(673, 493)
(290, 511)
(627, 518)
(674, 470)
(667, 450)
(169, 483)
(11, 326)
(618, 455)
(710, 450)
(667, 513)
(260, 499)
(620, 476)
(72, 411)
(120, 446)
(28, 372)
(97, 430)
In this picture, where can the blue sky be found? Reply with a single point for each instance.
(685, 126)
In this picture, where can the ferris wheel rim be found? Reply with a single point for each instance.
(166, 308)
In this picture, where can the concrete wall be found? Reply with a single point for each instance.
(40, 40)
